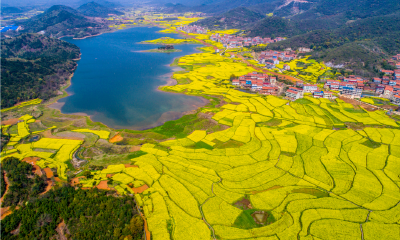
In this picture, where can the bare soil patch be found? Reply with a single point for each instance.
(47, 134)
(75, 181)
(140, 189)
(11, 121)
(71, 135)
(48, 187)
(260, 217)
(356, 103)
(6, 211)
(62, 230)
(244, 204)
(103, 185)
(7, 186)
(116, 138)
(130, 165)
(134, 149)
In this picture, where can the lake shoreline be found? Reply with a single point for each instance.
(188, 107)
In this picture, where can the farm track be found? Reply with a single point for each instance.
(201, 209)
(5, 211)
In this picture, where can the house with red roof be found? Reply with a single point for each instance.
(310, 88)
(269, 91)
(294, 93)
(396, 99)
(387, 72)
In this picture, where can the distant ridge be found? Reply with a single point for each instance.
(60, 21)
(94, 9)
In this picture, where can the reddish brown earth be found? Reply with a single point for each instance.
(48, 187)
(32, 160)
(103, 185)
(75, 181)
(134, 149)
(129, 165)
(148, 236)
(6, 210)
(140, 189)
(11, 121)
(116, 138)
(48, 172)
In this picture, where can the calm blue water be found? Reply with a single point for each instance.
(117, 85)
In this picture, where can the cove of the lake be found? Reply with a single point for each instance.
(116, 84)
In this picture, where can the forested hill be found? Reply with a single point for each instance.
(236, 18)
(361, 44)
(94, 9)
(34, 66)
(356, 34)
(61, 21)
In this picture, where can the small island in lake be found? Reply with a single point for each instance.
(164, 49)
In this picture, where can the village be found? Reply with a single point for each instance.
(228, 40)
(353, 87)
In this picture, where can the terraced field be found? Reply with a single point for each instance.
(280, 170)
(305, 69)
(296, 163)
(53, 153)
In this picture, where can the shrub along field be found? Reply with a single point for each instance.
(276, 170)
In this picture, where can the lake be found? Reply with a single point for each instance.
(116, 84)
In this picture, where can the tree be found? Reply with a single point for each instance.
(117, 232)
(233, 76)
(87, 174)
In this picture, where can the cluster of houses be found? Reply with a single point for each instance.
(395, 61)
(258, 82)
(270, 58)
(352, 86)
(294, 93)
(192, 29)
(231, 41)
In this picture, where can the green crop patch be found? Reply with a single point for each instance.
(247, 219)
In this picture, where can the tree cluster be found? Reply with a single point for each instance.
(88, 214)
(24, 184)
(34, 66)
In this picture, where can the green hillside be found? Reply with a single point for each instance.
(33, 66)
(93, 9)
(61, 21)
(236, 18)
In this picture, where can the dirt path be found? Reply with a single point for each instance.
(49, 186)
(7, 186)
(6, 210)
(148, 236)
(62, 230)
